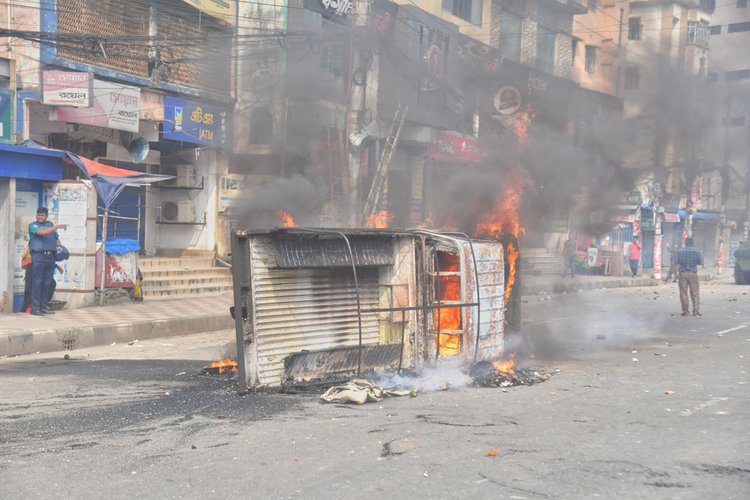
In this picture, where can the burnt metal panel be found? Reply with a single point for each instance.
(491, 279)
(305, 309)
(295, 252)
(324, 365)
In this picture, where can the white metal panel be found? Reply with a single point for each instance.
(306, 309)
(491, 279)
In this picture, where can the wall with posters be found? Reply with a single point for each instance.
(74, 203)
(7, 189)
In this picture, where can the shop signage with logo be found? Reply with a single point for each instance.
(66, 88)
(455, 147)
(114, 106)
(195, 122)
(338, 7)
(507, 100)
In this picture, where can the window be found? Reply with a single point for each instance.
(634, 28)
(738, 27)
(632, 78)
(712, 77)
(511, 26)
(545, 49)
(734, 76)
(741, 4)
(590, 58)
(469, 10)
(698, 33)
(708, 5)
(716, 30)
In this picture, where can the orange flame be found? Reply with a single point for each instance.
(428, 223)
(380, 220)
(521, 122)
(448, 319)
(505, 366)
(225, 365)
(512, 257)
(504, 216)
(285, 218)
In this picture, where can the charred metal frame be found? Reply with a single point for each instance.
(242, 281)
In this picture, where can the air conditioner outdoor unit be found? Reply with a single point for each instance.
(178, 211)
(184, 175)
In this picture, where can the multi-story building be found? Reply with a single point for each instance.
(666, 63)
(141, 85)
(727, 188)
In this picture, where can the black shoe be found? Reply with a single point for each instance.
(48, 311)
(697, 314)
(36, 313)
(686, 313)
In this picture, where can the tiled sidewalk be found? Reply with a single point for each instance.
(22, 333)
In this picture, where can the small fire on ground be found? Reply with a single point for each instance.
(226, 365)
(505, 373)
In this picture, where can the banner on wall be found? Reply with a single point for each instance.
(66, 88)
(114, 106)
(26, 205)
(67, 204)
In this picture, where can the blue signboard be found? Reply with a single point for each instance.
(195, 122)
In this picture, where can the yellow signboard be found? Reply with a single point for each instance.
(221, 9)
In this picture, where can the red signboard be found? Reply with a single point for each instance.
(455, 147)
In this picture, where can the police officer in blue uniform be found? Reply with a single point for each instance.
(43, 243)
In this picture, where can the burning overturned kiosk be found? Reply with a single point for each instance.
(322, 305)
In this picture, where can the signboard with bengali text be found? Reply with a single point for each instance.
(114, 106)
(66, 88)
(195, 122)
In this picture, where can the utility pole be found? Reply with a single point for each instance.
(358, 83)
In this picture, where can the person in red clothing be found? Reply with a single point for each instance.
(634, 255)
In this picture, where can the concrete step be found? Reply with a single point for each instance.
(171, 292)
(207, 272)
(174, 263)
(186, 281)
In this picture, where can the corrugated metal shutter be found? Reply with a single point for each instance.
(306, 309)
(704, 235)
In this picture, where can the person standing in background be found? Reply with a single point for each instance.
(43, 243)
(689, 258)
(634, 255)
(569, 256)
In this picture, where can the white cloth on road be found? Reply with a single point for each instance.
(358, 391)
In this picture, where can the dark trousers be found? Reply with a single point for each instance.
(42, 270)
(634, 266)
(570, 264)
(688, 282)
(28, 285)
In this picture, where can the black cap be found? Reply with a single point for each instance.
(42, 210)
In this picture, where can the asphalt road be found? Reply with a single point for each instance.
(642, 403)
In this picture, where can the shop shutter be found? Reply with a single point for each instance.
(306, 309)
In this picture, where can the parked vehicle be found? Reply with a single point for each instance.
(742, 265)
